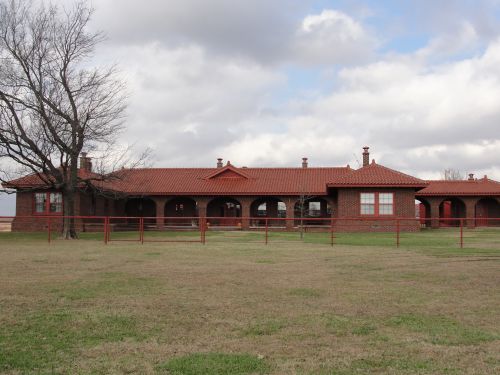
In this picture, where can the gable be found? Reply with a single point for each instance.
(228, 171)
(227, 174)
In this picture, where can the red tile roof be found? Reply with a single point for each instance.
(228, 180)
(483, 186)
(34, 180)
(376, 175)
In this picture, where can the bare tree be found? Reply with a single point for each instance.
(53, 105)
(452, 174)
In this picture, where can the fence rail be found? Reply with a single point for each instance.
(388, 231)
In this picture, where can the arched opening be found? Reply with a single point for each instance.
(423, 212)
(487, 209)
(311, 211)
(224, 211)
(141, 207)
(268, 207)
(181, 211)
(451, 210)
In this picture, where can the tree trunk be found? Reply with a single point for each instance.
(69, 230)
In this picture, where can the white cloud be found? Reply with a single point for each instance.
(464, 39)
(185, 102)
(417, 117)
(332, 37)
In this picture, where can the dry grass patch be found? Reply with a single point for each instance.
(85, 308)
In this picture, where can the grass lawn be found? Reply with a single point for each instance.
(240, 307)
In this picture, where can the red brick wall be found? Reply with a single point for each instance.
(346, 203)
(25, 221)
(349, 206)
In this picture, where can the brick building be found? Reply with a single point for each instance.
(244, 197)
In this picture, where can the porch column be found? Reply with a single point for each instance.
(434, 211)
(201, 205)
(290, 208)
(323, 205)
(245, 212)
(160, 211)
(272, 208)
(470, 212)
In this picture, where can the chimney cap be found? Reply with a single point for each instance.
(366, 148)
(471, 176)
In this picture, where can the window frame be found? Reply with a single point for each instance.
(377, 204)
(46, 211)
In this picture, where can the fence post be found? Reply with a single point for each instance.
(109, 229)
(267, 228)
(105, 230)
(204, 229)
(331, 232)
(200, 226)
(461, 233)
(397, 232)
(48, 229)
(141, 229)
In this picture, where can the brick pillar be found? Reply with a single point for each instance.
(434, 211)
(160, 210)
(272, 208)
(201, 205)
(470, 212)
(290, 207)
(245, 212)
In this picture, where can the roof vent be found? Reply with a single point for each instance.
(219, 162)
(304, 163)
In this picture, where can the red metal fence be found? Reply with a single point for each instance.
(356, 230)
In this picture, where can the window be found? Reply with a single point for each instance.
(40, 202)
(179, 208)
(377, 203)
(367, 203)
(385, 203)
(48, 203)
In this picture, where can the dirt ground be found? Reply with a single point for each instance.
(81, 307)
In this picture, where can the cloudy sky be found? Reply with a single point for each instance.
(265, 83)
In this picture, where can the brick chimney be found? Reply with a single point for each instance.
(219, 163)
(366, 156)
(471, 176)
(85, 162)
(304, 163)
